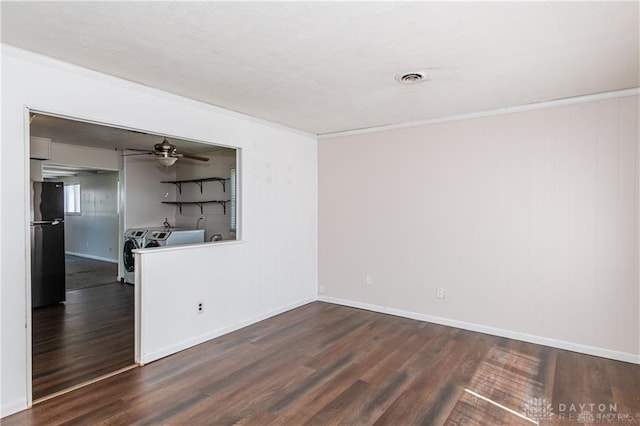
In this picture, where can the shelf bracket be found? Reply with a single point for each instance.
(224, 184)
(179, 207)
(201, 204)
(199, 182)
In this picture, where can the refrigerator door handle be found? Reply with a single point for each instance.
(46, 222)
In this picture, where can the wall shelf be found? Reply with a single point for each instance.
(178, 183)
(201, 204)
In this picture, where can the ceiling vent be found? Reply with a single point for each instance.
(412, 77)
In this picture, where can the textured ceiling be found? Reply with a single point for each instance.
(326, 67)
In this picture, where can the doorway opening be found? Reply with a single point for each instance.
(114, 180)
(87, 331)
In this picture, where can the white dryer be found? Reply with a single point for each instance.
(151, 231)
(174, 237)
(133, 239)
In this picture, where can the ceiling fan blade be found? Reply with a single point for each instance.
(140, 150)
(137, 153)
(192, 156)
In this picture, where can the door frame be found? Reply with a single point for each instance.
(27, 206)
(27, 284)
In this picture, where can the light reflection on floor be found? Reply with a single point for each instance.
(501, 391)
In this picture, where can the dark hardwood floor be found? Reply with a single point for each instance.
(326, 364)
(90, 335)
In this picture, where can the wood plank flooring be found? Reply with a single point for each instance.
(81, 272)
(323, 364)
(91, 334)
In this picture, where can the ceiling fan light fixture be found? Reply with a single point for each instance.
(166, 153)
(167, 161)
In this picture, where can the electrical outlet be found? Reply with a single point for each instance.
(440, 293)
(321, 289)
(200, 307)
(368, 280)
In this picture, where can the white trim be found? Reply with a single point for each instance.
(161, 353)
(637, 212)
(90, 256)
(138, 332)
(545, 341)
(84, 384)
(28, 320)
(182, 247)
(488, 113)
(50, 62)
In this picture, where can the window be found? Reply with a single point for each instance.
(233, 199)
(72, 199)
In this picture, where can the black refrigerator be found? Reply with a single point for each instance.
(47, 244)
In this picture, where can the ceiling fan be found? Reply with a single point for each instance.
(166, 153)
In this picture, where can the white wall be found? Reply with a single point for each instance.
(215, 220)
(245, 281)
(94, 233)
(529, 221)
(84, 156)
(144, 192)
(277, 261)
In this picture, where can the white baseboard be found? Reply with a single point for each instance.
(90, 256)
(161, 353)
(545, 341)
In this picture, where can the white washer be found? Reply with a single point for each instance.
(133, 239)
(174, 237)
